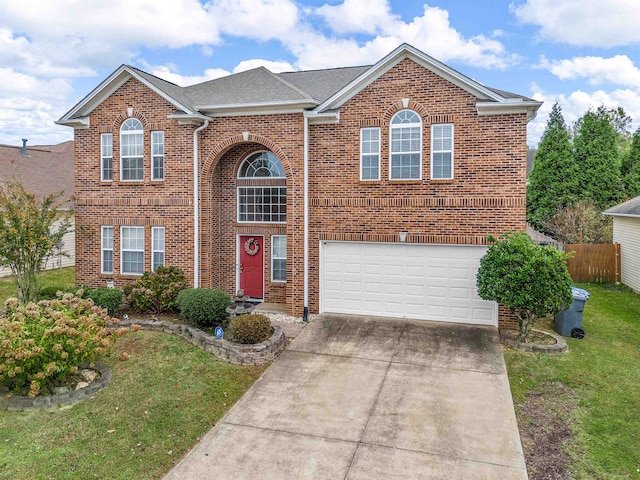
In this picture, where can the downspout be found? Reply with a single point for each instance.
(305, 316)
(196, 207)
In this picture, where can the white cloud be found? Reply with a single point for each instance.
(170, 74)
(618, 70)
(274, 66)
(597, 23)
(354, 16)
(575, 105)
(257, 19)
(432, 32)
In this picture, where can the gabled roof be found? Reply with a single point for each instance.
(630, 208)
(45, 170)
(319, 92)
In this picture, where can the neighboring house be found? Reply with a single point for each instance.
(626, 232)
(364, 190)
(43, 170)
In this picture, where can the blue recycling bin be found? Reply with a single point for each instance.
(568, 323)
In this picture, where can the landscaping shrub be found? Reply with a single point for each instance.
(156, 292)
(107, 298)
(42, 344)
(50, 292)
(251, 328)
(204, 306)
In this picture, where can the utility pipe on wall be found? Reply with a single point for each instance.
(196, 207)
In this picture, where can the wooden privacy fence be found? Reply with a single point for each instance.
(594, 262)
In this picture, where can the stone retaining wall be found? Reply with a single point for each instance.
(18, 402)
(235, 353)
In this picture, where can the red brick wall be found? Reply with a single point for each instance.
(486, 196)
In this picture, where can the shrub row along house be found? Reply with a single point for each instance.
(363, 190)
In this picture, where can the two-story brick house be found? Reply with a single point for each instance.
(364, 190)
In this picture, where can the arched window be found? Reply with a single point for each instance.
(131, 150)
(264, 200)
(406, 146)
(261, 164)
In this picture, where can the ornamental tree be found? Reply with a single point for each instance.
(30, 231)
(530, 279)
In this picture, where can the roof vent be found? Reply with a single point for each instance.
(24, 148)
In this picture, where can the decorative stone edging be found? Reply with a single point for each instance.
(43, 402)
(559, 347)
(235, 353)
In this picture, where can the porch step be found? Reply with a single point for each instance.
(271, 308)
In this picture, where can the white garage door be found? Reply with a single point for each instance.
(424, 282)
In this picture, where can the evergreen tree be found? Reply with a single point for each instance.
(597, 159)
(552, 182)
(631, 168)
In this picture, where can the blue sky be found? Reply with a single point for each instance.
(54, 52)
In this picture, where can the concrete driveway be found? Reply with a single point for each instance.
(357, 398)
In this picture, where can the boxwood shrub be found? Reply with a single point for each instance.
(250, 328)
(204, 307)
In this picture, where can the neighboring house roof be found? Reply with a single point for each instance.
(630, 208)
(46, 169)
(320, 92)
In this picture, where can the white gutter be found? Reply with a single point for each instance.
(196, 208)
(305, 316)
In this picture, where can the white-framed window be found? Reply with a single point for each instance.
(157, 248)
(132, 250)
(265, 199)
(106, 157)
(131, 150)
(278, 258)
(442, 151)
(157, 155)
(262, 204)
(370, 153)
(405, 161)
(106, 248)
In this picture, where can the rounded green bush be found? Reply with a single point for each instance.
(107, 298)
(250, 328)
(204, 307)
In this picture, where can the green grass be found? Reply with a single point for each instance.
(64, 277)
(604, 371)
(158, 404)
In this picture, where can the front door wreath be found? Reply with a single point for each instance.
(251, 246)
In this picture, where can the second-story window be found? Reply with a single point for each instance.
(131, 150)
(106, 157)
(157, 155)
(406, 146)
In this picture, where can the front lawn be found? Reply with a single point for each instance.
(593, 392)
(159, 403)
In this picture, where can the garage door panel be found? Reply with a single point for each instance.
(432, 282)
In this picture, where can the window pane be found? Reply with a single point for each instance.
(262, 204)
(107, 261)
(132, 262)
(279, 258)
(261, 164)
(158, 260)
(157, 155)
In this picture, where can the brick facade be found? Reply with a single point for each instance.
(486, 195)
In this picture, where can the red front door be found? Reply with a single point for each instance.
(251, 265)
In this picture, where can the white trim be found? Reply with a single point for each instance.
(433, 125)
(102, 250)
(362, 154)
(272, 258)
(103, 91)
(282, 105)
(530, 108)
(122, 227)
(284, 173)
(421, 58)
(419, 151)
(154, 251)
(238, 247)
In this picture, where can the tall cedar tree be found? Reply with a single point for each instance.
(552, 182)
(597, 159)
(631, 168)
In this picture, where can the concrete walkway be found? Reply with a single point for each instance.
(355, 398)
